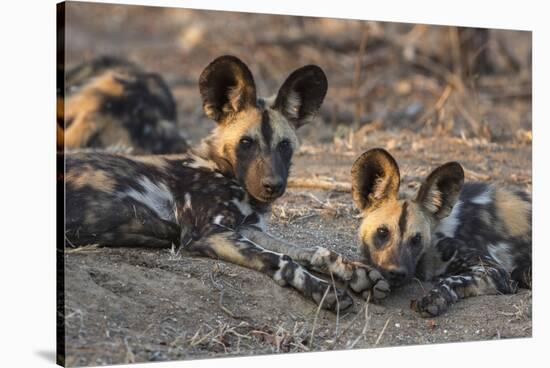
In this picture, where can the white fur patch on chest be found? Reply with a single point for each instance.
(502, 253)
(246, 210)
(199, 162)
(449, 224)
(243, 206)
(262, 223)
(156, 196)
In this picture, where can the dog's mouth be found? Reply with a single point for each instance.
(264, 196)
(267, 198)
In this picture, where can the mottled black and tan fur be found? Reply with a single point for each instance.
(214, 200)
(113, 103)
(473, 238)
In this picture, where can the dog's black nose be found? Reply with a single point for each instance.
(273, 185)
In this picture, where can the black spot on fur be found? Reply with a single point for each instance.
(261, 103)
(403, 219)
(267, 130)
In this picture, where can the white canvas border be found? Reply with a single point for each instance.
(27, 315)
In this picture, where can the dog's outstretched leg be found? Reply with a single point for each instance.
(236, 248)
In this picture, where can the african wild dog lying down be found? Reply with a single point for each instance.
(475, 238)
(113, 103)
(213, 200)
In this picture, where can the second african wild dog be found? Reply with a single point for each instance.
(214, 200)
(112, 103)
(474, 237)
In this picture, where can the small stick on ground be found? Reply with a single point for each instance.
(346, 329)
(382, 332)
(364, 330)
(419, 283)
(336, 186)
(91, 248)
(231, 314)
(337, 305)
(317, 315)
(130, 356)
(475, 175)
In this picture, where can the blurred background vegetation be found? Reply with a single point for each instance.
(469, 83)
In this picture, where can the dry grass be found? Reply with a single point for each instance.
(522, 309)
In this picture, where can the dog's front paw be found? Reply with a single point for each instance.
(431, 305)
(367, 280)
(332, 299)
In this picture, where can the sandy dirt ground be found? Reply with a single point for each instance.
(136, 305)
(133, 305)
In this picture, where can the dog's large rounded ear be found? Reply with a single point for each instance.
(302, 94)
(439, 192)
(374, 178)
(226, 86)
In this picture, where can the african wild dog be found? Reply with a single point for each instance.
(109, 102)
(475, 238)
(214, 200)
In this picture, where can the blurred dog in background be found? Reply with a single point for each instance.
(111, 103)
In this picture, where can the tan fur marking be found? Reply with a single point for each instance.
(388, 215)
(228, 134)
(226, 250)
(60, 110)
(96, 179)
(513, 212)
(155, 160)
(248, 122)
(60, 137)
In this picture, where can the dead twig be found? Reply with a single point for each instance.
(91, 248)
(351, 323)
(382, 332)
(220, 304)
(367, 128)
(475, 175)
(196, 339)
(130, 356)
(366, 325)
(455, 51)
(337, 304)
(439, 70)
(437, 106)
(316, 316)
(317, 183)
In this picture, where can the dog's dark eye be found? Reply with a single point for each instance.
(416, 239)
(284, 145)
(246, 142)
(382, 233)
